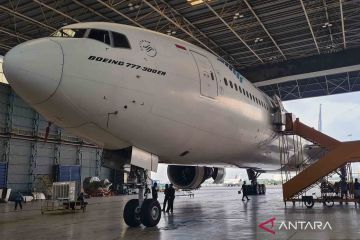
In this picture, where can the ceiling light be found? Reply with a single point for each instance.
(196, 2)
(170, 32)
(327, 25)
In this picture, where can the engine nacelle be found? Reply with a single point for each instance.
(219, 175)
(188, 177)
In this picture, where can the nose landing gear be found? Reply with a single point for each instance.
(142, 210)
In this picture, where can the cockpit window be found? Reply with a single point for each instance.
(100, 35)
(120, 40)
(69, 33)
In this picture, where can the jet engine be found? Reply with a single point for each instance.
(219, 175)
(191, 177)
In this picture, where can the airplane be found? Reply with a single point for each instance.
(148, 98)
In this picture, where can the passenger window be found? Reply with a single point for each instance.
(120, 40)
(225, 81)
(240, 89)
(212, 76)
(100, 35)
(247, 94)
(235, 86)
(231, 84)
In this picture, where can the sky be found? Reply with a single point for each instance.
(340, 120)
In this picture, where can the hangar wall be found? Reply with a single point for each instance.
(29, 161)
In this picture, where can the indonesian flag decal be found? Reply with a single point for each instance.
(181, 48)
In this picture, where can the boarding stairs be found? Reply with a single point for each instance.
(337, 155)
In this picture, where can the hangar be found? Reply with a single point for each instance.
(294, 49)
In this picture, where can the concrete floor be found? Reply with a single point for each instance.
(214, 213)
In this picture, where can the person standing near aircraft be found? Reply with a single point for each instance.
(154, 191)
(166, 199)
(243, 188)
(171, 194)
(18, 199)
(357, 189)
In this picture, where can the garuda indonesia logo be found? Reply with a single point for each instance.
(148, 48)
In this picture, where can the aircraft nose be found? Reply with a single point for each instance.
(34, 69)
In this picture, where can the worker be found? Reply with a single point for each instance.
(154, 191)
(344, 189)
(166, 198)
(244, 192)
(357, 189)
(171, 199)
(81, 199)
(18, 199)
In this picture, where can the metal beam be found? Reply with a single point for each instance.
(232, 30)
(179, 26)
(262, 25)
(328, 20)
(14, 34)
(196, 28)
(92, 10)
(120, 13)
(3, 46)
(308, 21)
(308, 75)
(342, 22)
(55, 10)
(27, 19)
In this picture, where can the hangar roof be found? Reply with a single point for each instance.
(249, 34)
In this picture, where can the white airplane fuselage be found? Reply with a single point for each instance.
(163, 95)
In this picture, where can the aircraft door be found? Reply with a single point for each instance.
(207, 76)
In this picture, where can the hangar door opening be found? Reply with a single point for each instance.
(208, 83)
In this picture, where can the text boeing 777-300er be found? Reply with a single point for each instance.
(146, 98)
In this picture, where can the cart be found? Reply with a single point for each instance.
(62, 206)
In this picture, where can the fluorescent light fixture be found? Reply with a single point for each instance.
(196, 2)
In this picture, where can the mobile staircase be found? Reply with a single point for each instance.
(333, 156)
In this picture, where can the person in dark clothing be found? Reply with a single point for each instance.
(166, 199)
(344, 189)
(356, 189)
(18, 199)
(171, 199)
(81, 199)
(243, 188)
(154, 191)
